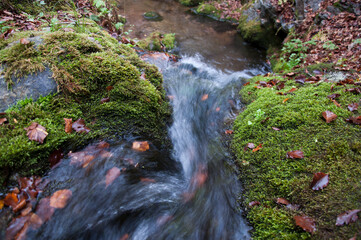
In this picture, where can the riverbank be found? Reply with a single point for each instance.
(297, 141)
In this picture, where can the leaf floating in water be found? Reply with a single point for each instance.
(147, 180)
(329, 116)
(36, 132)
(320, 181)
(347, 217)
(228, 132)
(124, 237)
(44, 210)
(351, 107)
(112, 174)
(204, 97)
(68, 125)
(60, 198)
(140, 146)
(218, 109)
(295, 154)
(306, 223)
(79, 126)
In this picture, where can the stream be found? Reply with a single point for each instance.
(191, 193)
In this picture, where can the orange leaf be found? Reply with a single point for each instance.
(112, 174)
(35, 221)
(204, 97)
(60, 198)
(306, 223)
(11, 200)
(285, 100)
(247, 83)
(282, 201)
(228, 132)
(140, 146)
(257, 148)
(68, 125)
(24, 41)
(36, 132)
(292, 90)
(329, 116)
(124, 237)
(147, 180)
(19, 206)
(1, 204)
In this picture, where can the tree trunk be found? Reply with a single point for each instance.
(300, 9)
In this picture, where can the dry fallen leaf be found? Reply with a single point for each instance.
(109, 88)
(60, 198)
(329, 116)
(24, 41)
(320, 181)
(351, 107)
(79, 126)
(295, 154)
(11, 199)
(285, 100)
(257, 148)
(282, 201)
(104, 100)
(112, 174)
(254, 203)
(306, 223)
(36, 132)
(228, 132)
(68, 125)
(140, 146)
(347, 217)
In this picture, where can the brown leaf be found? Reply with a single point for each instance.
(112, 174)
(60, 198)
(329, 116)
(15, 227)
(55, 157)
(36, 132)
(109, 88)
(35, 221)
(334, 96)
(19, 206)
(306, 223)
(347, 217)
(24, 41)
(79, 126)
(254, 203)
(282, 201)
(228, 132)
(292, 90)
(295, 154)
(68, 125)
(247, 83)
(140, 146)
(2, 120)
(354, 120)
(11, 199)
(351, 107)
(280, 86)
(257, 148)
(44, 210)
(204, 97)
(320, 181)
(124, 237)
(104, 100)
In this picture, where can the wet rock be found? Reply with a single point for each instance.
(31, 86)
(36, 40)
(153, 16)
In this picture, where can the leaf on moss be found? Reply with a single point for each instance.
(68, 125)
(292, 90)
(295, 154)
(24, 41)
(257, 148)
(306, 223)
(329, 116)
(285, 100)
(249, 146)
(280, 86)
(334, 96)
(228, 132)
(320, 181)
(2, 120)
(36, 132)
(347, 217)
(79, 126)
(247, 83)
(140, 146)
(354, 120)
(112, 174)
(109, 88)
(60, 198)
(351, 107)
(282, 201)
(104, 100)
(254, 203)
(1, 204)
(276, 129)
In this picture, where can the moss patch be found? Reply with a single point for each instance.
(83, 65)
(158, 42)
(332, 148)
(190, 3)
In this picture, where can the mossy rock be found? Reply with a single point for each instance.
(190, 3)
(158, 42)
(87, 66)
(267, 174)
(152, 16)
(209, 10)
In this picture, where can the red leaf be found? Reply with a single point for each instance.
(140, 146)
(2, 120)
(112, 174)
(68, 124)
(280, 86)
(60, 198)
(247, 83)
(351, 107)
(320, 181)
(254, 203)
(24, 41)
(104, 100)
(36, 132)
(347, 217)
(282, 201)
(228, 132)
(354, 120)
(79, 126)
(306, 223)
(295, 154)
(109, 88)
(329, 116)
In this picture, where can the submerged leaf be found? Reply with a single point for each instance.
(347, 217)
(306, 223)
(140, 146)
(320, 181)
(329, 116)
(112, 174)
(295, 154)
(44, 210)
(36, 132)
(228, 132)
(204, 97)
(60, 198)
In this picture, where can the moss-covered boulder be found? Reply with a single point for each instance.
(190, 3)
(158, 42)
(88, 66)
(284, 123)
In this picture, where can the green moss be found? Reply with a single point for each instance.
(83, 65)
(208, 9)
(190, 3)
(328, 147)
(158, 42)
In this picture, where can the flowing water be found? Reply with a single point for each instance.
(192, 193)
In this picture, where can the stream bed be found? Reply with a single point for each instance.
(192, 192)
